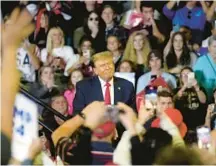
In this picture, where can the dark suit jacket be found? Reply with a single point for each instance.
(89, 90)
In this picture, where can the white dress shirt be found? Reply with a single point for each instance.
(111, 88)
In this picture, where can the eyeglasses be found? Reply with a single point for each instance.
(189, 14)
(92, 18)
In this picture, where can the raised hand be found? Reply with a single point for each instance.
(18, 27)
(128, 118)
(144, 115)
(95, 113)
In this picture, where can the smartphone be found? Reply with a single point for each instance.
(48, 8)
(214, 108)
(112, 113)
(215, 24)
(153, 77)
(203, 137)
(190, 77)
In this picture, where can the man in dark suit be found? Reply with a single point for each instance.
(104, 86)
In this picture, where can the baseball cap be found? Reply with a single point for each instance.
(104, 130)
(176, 117)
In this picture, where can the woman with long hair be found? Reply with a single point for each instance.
(94, 28)
(69, 94)
(137, 50)
(190, 99)
(56, 54)
(179, 54)
(41, 29)
(45, 88)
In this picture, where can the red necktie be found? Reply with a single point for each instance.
(107, 98)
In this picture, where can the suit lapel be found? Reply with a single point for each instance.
(117, 91)
(96, 87)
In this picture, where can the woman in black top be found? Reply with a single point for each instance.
(94, 28)
(190, 99)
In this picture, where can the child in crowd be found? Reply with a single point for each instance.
(69, 94)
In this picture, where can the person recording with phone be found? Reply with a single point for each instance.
(190, 99)
(45, 88)
(85, 51)
(155, 63)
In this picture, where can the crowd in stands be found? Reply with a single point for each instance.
(133, 79)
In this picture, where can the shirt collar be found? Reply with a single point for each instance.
(111, 27)
(103, 83)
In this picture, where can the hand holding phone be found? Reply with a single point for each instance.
(203, 137)
(112, 113)
(190, 79)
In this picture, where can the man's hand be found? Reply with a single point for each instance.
(35, 148)
(144, 114)
(95, 113)
(128, 118)
(18, 28)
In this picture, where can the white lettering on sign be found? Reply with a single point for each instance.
(25, 127)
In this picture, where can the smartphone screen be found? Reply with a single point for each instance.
(190, 77)
(153, 77)
(203, 137)
(112, 113)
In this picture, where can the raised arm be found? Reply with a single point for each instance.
(156, 32)
(168, 46)
(92, 117)
(19, 28)
(211, 11)
(204, 6)
(167, 9)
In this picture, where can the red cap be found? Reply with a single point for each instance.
(104, 130)
(176, 117)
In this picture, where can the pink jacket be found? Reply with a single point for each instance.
(69, 95)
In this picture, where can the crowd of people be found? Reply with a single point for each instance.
(67, 54)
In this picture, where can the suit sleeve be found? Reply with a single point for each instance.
(132, 100)
(79, 100)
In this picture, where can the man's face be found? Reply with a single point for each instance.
(112, 44)
(104, 68)
(155, 63)
(147, 13)
(60, 104)
(164, 103)
(108, 15)
(212, 50)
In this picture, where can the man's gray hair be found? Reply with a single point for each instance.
(211, 39)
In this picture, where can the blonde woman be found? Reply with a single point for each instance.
(137, 50)
(57, 53)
